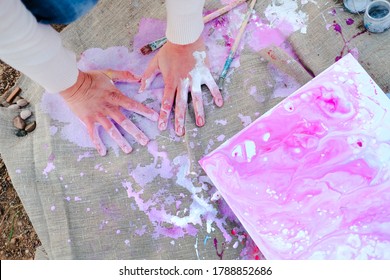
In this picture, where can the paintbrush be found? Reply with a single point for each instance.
(160, 42)
(236, 43)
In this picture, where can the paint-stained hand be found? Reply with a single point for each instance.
(95, 100)
(184, 68)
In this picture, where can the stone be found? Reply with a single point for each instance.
(17, 98)
(22, 102)
(21, 133)
(31, 127)
(19, 123)
(4, 104)
(13, 94)
(25, 114)
(13, 107)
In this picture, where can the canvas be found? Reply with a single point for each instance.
(310, 178)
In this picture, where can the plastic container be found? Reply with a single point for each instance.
(377, 16)
(356, 6)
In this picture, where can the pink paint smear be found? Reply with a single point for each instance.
(310, 179)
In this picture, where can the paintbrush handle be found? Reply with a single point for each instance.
(222, 11)
(235, 45)
(243, 26)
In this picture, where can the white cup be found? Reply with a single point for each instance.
(356, 6)
(377, 16)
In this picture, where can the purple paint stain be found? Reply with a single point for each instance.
(219, 254)
(337, 27)
(350, 21)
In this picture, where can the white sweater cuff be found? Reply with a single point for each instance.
(184, 21)
(35, 49)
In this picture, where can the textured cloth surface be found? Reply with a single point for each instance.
(91, 208)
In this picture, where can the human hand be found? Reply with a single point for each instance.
(184, 68)
(95, 100)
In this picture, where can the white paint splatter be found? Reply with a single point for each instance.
(49, 168)
(288, 12)
(220, 138)
(246, 120)
(221, 122)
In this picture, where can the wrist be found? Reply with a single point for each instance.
(81, 84)
(186, 47)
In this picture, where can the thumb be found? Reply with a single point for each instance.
(150, 74)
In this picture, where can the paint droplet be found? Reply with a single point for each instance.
(266, 136)
(216, 196)
(337, 27)
(53, 208)
(350, 21)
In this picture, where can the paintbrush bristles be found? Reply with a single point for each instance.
(146, 50)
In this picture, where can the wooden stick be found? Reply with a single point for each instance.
(287, 64)
(13, 94)
(235, 45)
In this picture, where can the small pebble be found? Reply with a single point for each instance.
(21, 133)
(4, 104)
(31, 127)
(13, 107)
(19, 122)
(22, 102)
(25, 114)
(16, 99)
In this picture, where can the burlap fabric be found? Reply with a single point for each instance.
(322, 44)
(105, 222)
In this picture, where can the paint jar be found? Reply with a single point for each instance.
(377, 16)
(356, 6)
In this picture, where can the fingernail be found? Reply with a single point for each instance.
(200, 121)
(162, 125)
(127, 149)
(219, 102)
(143, 140)
(102, 152)
(180, 131)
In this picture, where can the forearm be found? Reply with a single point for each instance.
(35, 49)
(184, 20)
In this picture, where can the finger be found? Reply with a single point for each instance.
(181, 106)
(115, 134)
(166, 105)
(197, 102)
(137, 107)
(92, 129)
(213, 87)
(122, 76)
(150, 74)
(130, 128)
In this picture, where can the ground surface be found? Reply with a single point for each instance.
(18, 239)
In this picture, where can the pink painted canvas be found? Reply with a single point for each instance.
(310, 179)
